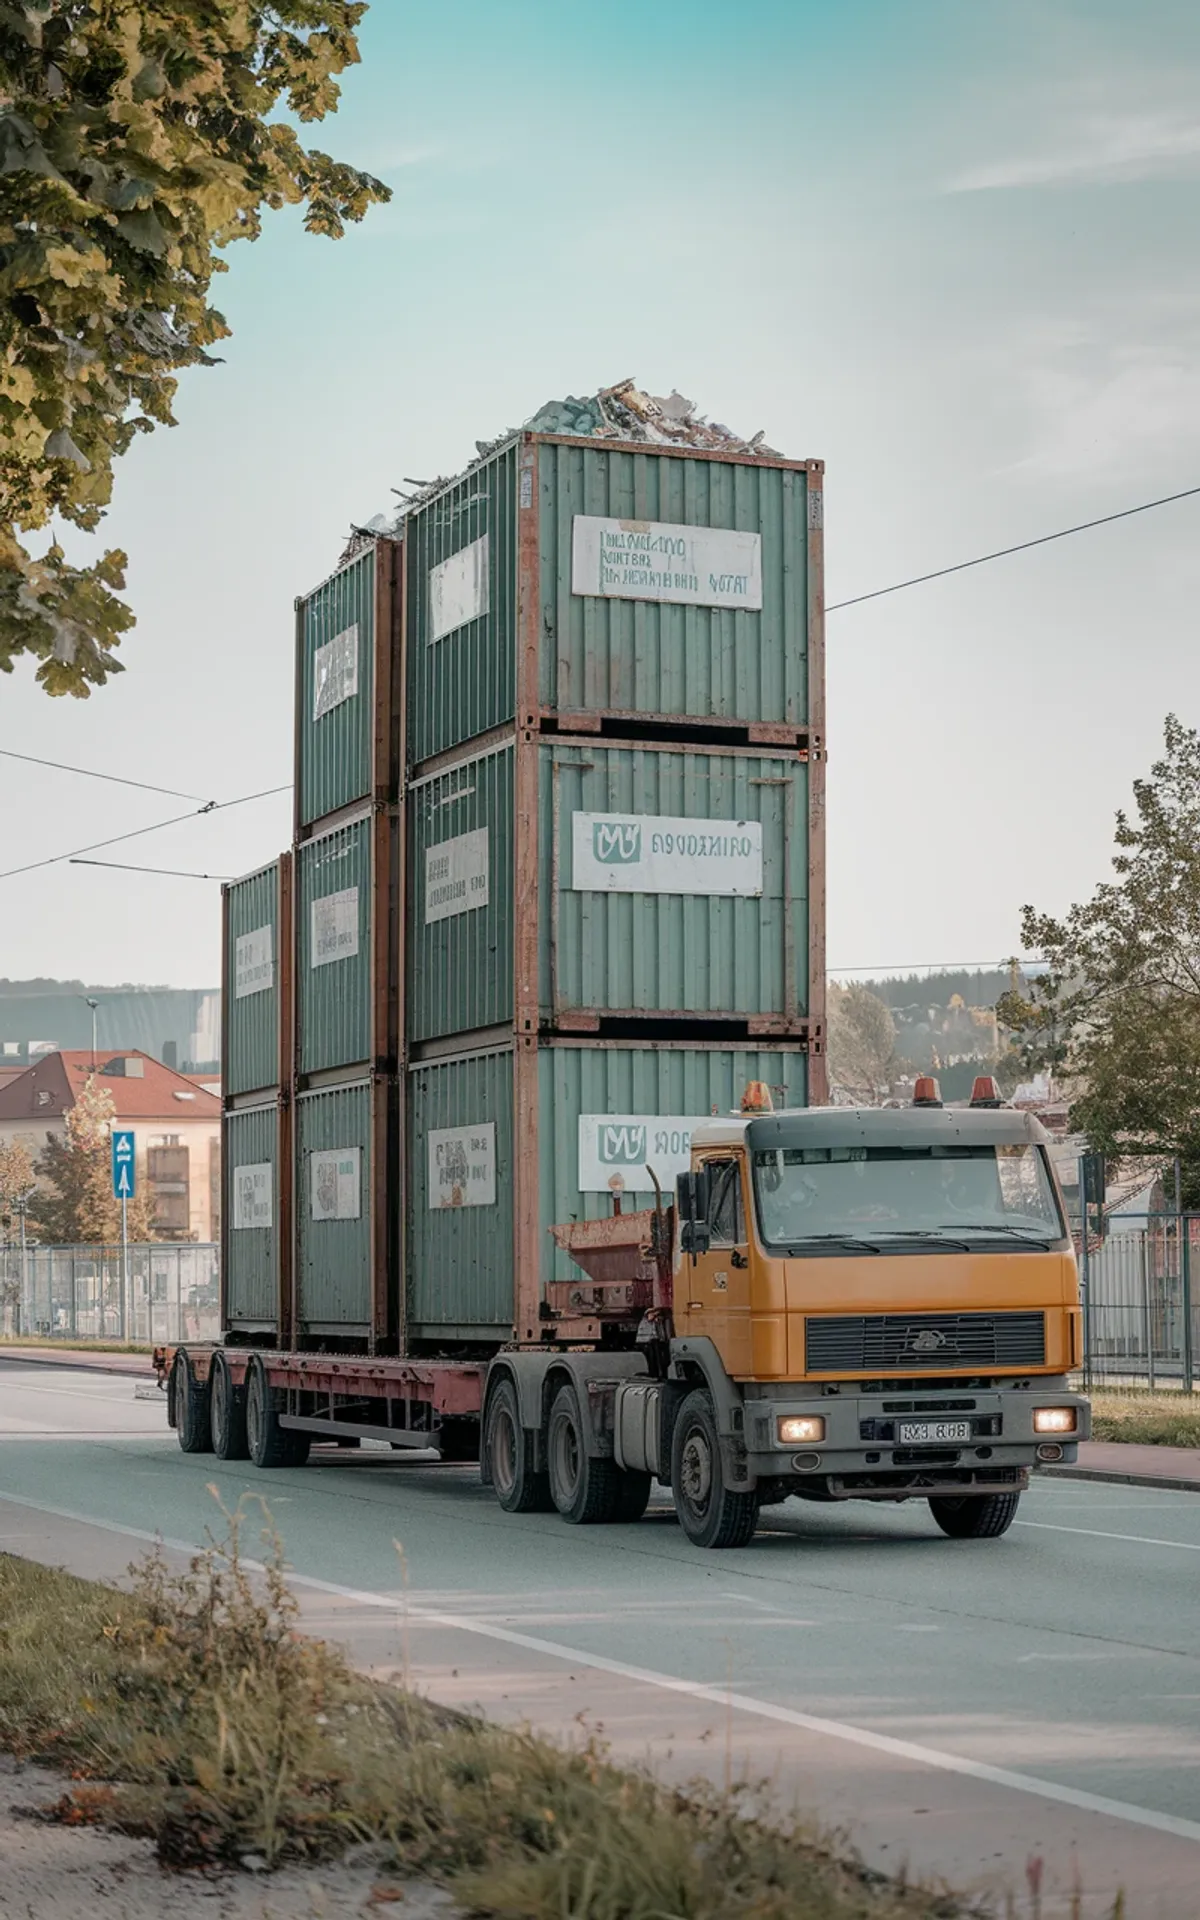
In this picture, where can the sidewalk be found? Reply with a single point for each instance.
(1115, 1461)
(139, 1364)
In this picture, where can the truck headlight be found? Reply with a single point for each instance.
(1054, 1420)
(800, 1430)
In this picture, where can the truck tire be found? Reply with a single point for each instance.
(228, 1413)
(633, 1495)
(191, 1409)
(518, 1487)
(270, 1444)
(583, 1488)
(979, 1516)
(710, 1513)
(458, 1438)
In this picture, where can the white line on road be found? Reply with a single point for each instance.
(1102, 1533)
(716, 1696)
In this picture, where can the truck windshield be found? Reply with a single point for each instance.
(950, 1192)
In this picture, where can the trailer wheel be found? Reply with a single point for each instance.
(583, 1488)
(710, 1513)
(519, 1488)
(980, 1516)
(270, 1444)
(191, 1408)
(229, 1440)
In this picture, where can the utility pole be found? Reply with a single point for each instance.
(93, 1004)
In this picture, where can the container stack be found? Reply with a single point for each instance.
(558, 876)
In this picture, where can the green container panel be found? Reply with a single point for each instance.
(333, 948)
(600, 949)
(460, 945)
(705, 953)
(461, 1253)
(252, 983)
(336, 690)
(462, 676)
(460, 1256)
(644, 656)
(332, 1205)
(250, 1162)
(634, 1085)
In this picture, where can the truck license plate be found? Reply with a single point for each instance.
(932, 1433)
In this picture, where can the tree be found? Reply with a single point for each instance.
(1120, 1004)
(81, 1209)
(862, 1043)
(136, 140)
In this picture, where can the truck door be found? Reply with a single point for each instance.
(718, 1282)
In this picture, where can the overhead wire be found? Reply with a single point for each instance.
(157, 826)
(172, 873)
(90, 773)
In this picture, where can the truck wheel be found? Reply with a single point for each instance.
(582, 1487)
(270, 1444)
(191, 1409)
(710, 1513)
(228, 1414)
(979, 1516)
(458, 1438)
(507, 1449)
(633, 1495)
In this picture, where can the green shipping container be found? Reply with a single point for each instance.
(346, 893)
(597, 1113)
(255, 966)
(347, 739)
(562, 581)
(335, 1173)
(250, 1213)
(671, 881)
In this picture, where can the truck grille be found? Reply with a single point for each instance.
(876, 1342)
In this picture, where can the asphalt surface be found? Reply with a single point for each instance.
(960, 1708)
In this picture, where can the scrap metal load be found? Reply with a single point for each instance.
(556, 892)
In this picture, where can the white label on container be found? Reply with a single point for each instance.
(643, 560)
(253, 963)
(657, 853)
(252, 1203)
(616, 1148)
(458, 589)
(462, 1167)
(335, 671)
(336, 1184)
(335, 927)
(456, 875)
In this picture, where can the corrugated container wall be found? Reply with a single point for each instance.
(662, 587)
(603, 1111)
(254, 959)
(334, 1178)
(346, 724)
(346, 946)
(250, 1177)
(672, 882)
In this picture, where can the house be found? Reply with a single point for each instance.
(176, 1125)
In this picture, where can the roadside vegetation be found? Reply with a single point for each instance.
(190, 1709)
(1146, 1419)
(66, 1343)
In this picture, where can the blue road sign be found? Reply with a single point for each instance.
(124, 1163)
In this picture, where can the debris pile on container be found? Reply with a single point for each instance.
(622, 412)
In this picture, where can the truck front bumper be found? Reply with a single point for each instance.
(897, 1445)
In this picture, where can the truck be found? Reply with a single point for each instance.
(834, 1304)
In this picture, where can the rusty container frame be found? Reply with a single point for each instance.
(283, 1093)
(382, 778)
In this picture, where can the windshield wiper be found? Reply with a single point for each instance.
(1033, 1234)
(834, 1239)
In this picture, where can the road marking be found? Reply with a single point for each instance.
(712, 1695)
(1102, 1533)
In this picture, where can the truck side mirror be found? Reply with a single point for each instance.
(695, 1236)
(685, 1197)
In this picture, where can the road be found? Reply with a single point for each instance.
(957, 1706)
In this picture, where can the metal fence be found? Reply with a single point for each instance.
(166, 1293)
(1141, 1319)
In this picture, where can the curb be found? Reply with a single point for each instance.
(1173, 1484)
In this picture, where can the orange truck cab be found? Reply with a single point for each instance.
(875, 1304)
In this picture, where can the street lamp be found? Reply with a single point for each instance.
(93, 1004)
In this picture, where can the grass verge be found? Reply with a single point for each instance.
(1146, 1419)
(190, 1709)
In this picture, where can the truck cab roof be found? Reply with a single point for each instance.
(870, 1127)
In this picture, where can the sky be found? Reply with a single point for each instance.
(950, 250)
